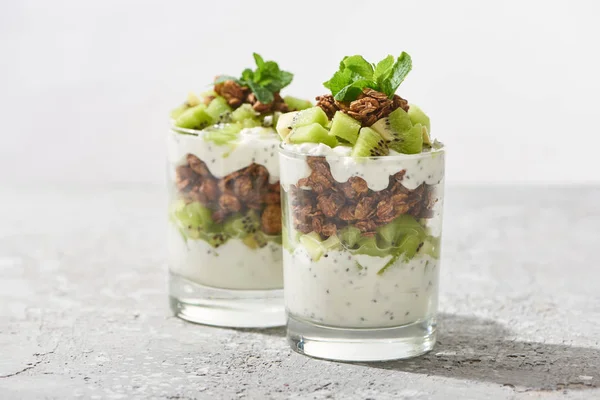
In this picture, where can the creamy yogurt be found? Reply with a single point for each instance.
(230, 266)
(334, 291)
(426, 167)
(254, 145)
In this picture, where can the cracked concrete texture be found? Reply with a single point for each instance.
(83, 309)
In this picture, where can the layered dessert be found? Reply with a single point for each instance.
(362, 183)
(224, 212)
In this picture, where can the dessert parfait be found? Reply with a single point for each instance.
(362, 183)
(224, 212)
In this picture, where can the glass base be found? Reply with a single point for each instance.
(224, 307)
(347, 344)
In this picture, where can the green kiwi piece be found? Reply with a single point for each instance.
(256, 240)
(431, 247)
(194, 118)
(313, 133)
(295, 104)
(310, 116)
(417, 116)
(349, 236)
(215, 239)
(426, 137)
(312, 243)
(223, 134)
(284, 124)
(243, 112)
(219, 110)
(407, 249)
(176, 112)
(370, 247)
(391, 232)
(410, 142)
(240, 226)
(369, 144)
(345, 127)
(194, 215)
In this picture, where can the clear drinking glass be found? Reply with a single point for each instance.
(224, 239)
(361, 253)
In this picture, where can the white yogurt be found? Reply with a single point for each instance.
(335, 292)
(426, 167)
(232, 265)
(254, 145)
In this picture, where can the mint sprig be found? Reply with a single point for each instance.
(264, 81)
(355, 74)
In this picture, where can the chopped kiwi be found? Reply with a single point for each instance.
(407, 249)
(369, 144)
(391, 232)
(192, 99)
(316, 247)
(295, 104)
(289, 238)
(410, 142)
(313, 133)
(417, 116)
(349, 236)
(215, 239)
(393, 127)
(431, 247)
(193, 220)
(370, 247)
(426, 137)
(194, 118)
(176, 112)
(255, 241)
(243, 112)
(284, 124)
(220, 138)
(310, 116)
(240, 226)
(218, 109)
(345, 127)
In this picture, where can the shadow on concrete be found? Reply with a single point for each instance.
(478, 349)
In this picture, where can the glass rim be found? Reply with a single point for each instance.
(398, 157)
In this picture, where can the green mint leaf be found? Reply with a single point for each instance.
(353, 90)
(258, 60)
(285, 78)
(338, 81)
(399, 71)
(223, 78)
(359, 65)
(383, 69)
(262, 94)
(247, 75)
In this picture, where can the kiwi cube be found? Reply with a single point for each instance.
(295, 104)
(310, 116)
(345, 127)
(194, 118)
(313, 133)
(217, 108)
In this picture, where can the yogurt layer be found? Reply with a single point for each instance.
(232, 265)
(255, 145)
(426, 167)
(335, 291)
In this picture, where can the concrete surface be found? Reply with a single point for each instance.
(83, 307)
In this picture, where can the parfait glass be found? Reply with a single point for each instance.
(224, 230)
(361, 257)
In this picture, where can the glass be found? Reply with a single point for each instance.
(361, 258)
(224, 235)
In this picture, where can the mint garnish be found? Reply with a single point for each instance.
(356, 73)
(264, 81)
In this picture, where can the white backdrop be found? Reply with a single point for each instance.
(512, 87)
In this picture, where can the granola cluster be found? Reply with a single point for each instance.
(238, 192)
(236, 95)
(319, 203)
(369, 107)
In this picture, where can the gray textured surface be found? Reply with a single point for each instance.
(83, 307)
